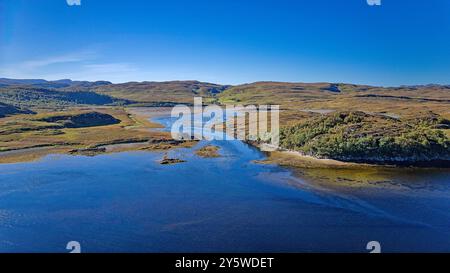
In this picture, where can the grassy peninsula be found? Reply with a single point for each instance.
(369, 138)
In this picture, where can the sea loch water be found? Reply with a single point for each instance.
(128, 202)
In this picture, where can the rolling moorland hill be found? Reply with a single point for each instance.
(287, 93)
(172, 91)
(63, 93)
(64, 83)
(300, 100)
(297, 100)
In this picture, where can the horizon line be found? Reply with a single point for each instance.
(239, 84)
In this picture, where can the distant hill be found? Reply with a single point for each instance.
(7, 110)
(141, 92)
(8, 82)
(298, 99)
(279, 92)
(295, 98)
(64, 83)
(172, 91)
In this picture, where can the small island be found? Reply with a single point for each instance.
(209, 151)
(168, 161)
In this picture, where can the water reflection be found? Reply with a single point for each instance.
(128, 202)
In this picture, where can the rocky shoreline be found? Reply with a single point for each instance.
(274, 152)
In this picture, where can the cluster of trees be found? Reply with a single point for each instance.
(356, 136)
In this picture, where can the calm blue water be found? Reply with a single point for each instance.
(128, 202)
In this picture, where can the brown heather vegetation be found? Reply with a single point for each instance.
(162, 92)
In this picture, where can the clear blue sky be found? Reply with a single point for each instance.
(227, 41)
